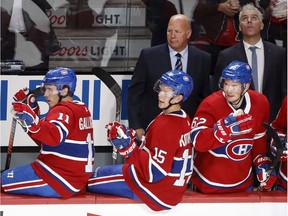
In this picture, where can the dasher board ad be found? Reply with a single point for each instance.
(182, 209)
(95, 94)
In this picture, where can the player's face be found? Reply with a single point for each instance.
(233, 91)
(51, 95)
(250, 23)
(164, 96)
(178, 33)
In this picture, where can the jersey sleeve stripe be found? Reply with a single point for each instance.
(259, 135)
(194, 134)
(177, 166)
(63, 131)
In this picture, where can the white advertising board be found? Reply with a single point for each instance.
(182, 209)
(99, 99)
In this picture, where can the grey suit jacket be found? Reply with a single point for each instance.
(275, 71)
(142, 102)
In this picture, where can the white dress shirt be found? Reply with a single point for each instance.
(184, 58)
(260, 60)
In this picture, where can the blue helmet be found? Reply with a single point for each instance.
(61, 77)
(236, 71)
(179, 81)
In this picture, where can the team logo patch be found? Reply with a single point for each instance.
(238, 150)
(234, 67)
(64, 72)
(185, 78)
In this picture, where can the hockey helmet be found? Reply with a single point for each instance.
(236, 71)
(179, 81)
(61, 77)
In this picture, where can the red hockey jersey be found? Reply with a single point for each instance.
(159, 171)
(226, 168)
(280, 122)
(280, 125)
(66, 158)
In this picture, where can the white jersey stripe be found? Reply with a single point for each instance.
(58, 176)
(146, 190)
(64, 156)
(219, 184)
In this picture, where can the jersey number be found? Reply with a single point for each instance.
(159, 155)
(181, 180)
(89, 165)
(61, 115)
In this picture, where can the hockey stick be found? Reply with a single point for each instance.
(114, 87)
(10, 144)
(37, 92)
(181, 7)
(273, 134)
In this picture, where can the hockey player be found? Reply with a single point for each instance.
(158, 171)
(229, 138)
(65, 162)
(280, 126)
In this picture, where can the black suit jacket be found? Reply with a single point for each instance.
(142, 100)
(275, 71)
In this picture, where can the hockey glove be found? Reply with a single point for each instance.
(233, 126)
(109, 126)
(284, 155)
(26, 117)
(23, 94)
(265, 176)
(120, 138)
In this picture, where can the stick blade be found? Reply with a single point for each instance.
(37, 92)
(273, 134)
(104, 76)
(114, 87)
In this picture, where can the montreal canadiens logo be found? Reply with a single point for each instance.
(64, 72)
(185, 78)
(238, 150)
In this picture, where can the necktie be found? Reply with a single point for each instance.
(254, 67)
(178, 65)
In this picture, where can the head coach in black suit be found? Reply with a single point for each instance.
(154, 61)
(271, 59)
